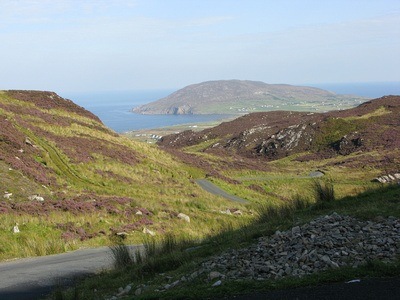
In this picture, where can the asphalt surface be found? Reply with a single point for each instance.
(213, 189)
(31, 278)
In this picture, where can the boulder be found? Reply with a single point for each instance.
(184, 217)
(28, 141)
(7, 195)
(36, 198)
(148, 231)
(16, 229)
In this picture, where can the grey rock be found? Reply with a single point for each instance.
(217, 283)
(138, 291)
(311, 247)
(214, 275)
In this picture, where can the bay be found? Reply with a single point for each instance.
(114, 108)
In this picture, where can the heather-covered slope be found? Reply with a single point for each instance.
(69, 181)
(372, 126)
(241, 96)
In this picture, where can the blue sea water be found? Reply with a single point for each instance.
(115, 108)
(365, 89)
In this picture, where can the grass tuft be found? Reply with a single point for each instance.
(121, 255)
(267, 213)
(324, 192)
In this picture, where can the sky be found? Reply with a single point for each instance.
(96, 45)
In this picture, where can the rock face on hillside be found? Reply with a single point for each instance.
(230, 96)
(272, 135)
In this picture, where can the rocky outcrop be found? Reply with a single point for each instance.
(371, 126)
(179, 110)
(348, 143)
(388, 178)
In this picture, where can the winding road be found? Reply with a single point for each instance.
(31, 278)
(213, 189)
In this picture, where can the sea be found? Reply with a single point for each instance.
(114, 108)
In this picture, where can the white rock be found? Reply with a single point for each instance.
(148, 231)
(36, 198)
(16, 229)
(184, 217)
(28, 141)
(7, 195)
(354, 281)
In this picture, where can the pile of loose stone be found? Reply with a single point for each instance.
(330, 241)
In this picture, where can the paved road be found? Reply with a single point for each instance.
(213, 189)
(32, 278)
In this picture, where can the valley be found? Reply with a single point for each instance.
(95, 188)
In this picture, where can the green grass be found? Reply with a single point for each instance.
(174, 261)
(280, 196)
(333, 130)
(156, 181)
(381, 111)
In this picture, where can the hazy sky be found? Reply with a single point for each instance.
(91, 45)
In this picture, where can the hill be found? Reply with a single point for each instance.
(69, 181)
(369, 127)
(238, 97)
(305, 231)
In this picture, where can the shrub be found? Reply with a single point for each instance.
(267, 212)
(324, 192)
(121, 255)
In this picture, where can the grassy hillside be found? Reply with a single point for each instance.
(69, 182)
(94, 182)
(284, 196)
(267, 136)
